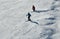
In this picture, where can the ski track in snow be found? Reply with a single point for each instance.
(44, 24)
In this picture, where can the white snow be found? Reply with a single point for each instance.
(14, 24)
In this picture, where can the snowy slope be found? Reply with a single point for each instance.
(45, 20)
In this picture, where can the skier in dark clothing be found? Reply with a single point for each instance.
(33, 8)
(29, 19)
(29, 15)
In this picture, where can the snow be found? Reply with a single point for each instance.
(45, 22)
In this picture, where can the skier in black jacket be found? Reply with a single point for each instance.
(29, 15)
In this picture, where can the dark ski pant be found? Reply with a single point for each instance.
(29, 18)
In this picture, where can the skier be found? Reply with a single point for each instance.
(29, 15)
(33, 8)
(29, 19)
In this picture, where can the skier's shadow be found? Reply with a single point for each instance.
(38, 11)
(34, 22)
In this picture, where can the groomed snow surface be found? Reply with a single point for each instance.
(45, 22)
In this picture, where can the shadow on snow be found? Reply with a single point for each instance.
(38, 11)
(51, 18)
(34, 22)
(48, 33)
(50, 23)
